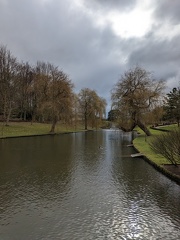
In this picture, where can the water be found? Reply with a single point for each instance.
(83, 186)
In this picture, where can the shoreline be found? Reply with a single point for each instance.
(158, 167)
(44, 134)
(26, 129)
(161, 169)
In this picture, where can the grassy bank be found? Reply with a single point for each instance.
(141, 143)
(16, 129)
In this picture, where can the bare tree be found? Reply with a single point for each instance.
(133, 95)
(155, 115)
(92, 107)
(8, 82)
(54, 93)
(24, 99)
(75, 110)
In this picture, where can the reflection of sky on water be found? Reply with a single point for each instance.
(84, 186)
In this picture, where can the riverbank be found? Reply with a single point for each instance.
(24, 129)
(141, 144)
(71, 186)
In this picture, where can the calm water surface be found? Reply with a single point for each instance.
(83, 186)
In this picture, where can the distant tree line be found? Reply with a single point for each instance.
(43, 93)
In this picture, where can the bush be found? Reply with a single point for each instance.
(168, 145)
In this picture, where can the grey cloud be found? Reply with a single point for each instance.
(67, 38)
(94, 57)
(106, 5)
(168, 11)
(159, 56)
(37, 27)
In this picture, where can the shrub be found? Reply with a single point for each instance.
(168, 145)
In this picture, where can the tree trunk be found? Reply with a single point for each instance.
(21, 115)
(143, 127)
(53, 125)
(2, 129)
(8, 115)
(32, 118)
(85, 121)
(24, 116)
(133, 125)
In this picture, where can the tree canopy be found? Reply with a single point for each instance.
(92, 106)
(172, 105)
(45, 93)
(136, 93)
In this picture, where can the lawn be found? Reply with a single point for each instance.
(141, 143)
(168, 127)
(26, 129)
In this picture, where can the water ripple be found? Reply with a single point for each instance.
(76, 190)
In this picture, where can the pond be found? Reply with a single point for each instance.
(83, 186)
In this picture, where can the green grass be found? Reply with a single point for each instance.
(168, 127)
(26, 129)
(141, 143)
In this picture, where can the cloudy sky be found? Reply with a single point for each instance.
(95, 41)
